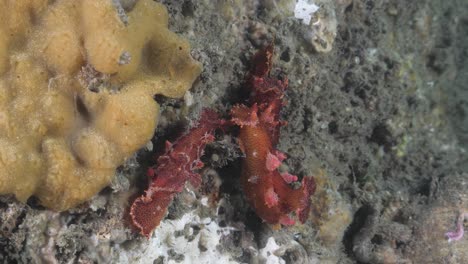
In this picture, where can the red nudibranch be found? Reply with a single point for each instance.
(174, 168)
(267, 190)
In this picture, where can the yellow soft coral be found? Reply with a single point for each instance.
(77, 80)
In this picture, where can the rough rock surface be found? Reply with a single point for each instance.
(380, 120)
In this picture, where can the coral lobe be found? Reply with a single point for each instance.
(76, 97)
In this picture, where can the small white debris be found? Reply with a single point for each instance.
(149, 146)
(204, 201)
(268, 253)
(188, 98)
(253, 179)
(304, 10)
(320, 17)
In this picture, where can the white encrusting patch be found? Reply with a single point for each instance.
(304, 10)
(203, 248)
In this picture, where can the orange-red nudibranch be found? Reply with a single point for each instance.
(267, 190)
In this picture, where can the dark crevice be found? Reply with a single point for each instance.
(359, 220)
(82, 109)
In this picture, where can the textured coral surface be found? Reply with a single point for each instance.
(76, 85)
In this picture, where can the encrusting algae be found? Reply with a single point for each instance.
(77, 80)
